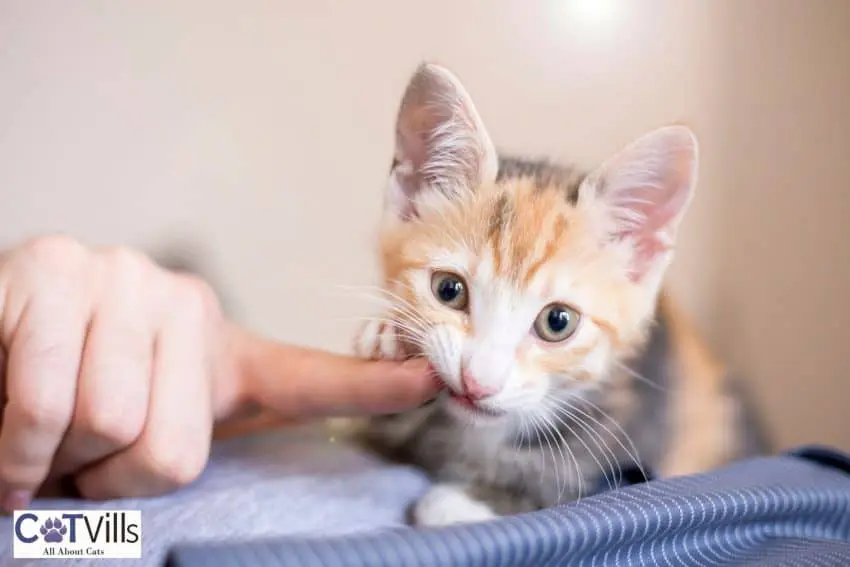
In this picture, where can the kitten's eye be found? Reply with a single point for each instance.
(450, 290)
(556, 323)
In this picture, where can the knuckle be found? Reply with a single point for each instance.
(172, 464)
(107, 424)
(42, 411)
(195, 298)
(55, 250)
(125, 260)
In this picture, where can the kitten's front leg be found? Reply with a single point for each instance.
(446, 504)
(376, 340)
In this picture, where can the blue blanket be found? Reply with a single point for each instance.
(787, 510)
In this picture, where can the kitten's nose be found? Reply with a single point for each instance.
(473, 388)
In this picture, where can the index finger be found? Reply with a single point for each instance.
(299, 382)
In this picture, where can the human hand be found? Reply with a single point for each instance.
(116, 371)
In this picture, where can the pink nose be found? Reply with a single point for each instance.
(473, 388)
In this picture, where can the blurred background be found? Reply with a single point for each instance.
(255, 136)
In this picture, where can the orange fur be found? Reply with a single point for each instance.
(530, 233)
(532, 287)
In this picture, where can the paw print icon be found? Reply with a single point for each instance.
(53, 530)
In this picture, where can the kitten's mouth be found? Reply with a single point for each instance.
(472, 405)
(463, 401)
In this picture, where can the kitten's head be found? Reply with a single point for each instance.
(523, 290)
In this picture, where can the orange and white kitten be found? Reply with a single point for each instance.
(535, 291)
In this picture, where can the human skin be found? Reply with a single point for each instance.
(116, 373)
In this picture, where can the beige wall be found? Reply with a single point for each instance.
(262, 131)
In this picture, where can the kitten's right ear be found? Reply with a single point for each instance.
(441, 143)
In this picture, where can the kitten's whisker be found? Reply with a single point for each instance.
(632, 450)
(633, 453)
(390, 298)
(518, 435)
(409, 311)
(397, 301)
(526, 431)
(396, 304)
(574, 460)
(412, 334)
(604, 448)
(596, 437)
(407, 327)
(411, 318)
(399, 298)
(407, 286)
(617, 472)
(545, 430)
(537, 428)
(361, 291)
(635, 374)
(613, 463)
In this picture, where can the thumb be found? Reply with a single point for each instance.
(303, 383)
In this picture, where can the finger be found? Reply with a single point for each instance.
(174, 445)
(43, 362)
(303, 383)
(3, 395)
(114, 383)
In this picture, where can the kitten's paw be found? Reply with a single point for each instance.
(447, 504)
(377, 340)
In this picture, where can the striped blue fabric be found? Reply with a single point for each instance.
(787, 510)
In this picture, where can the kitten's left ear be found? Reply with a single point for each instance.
(643, 192)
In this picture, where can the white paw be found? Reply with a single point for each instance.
(377, 340)
(447, 504)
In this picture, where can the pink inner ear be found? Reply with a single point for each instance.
(415, 130)
(655, 236)
(409, 211)
(441, 144)
(649, 187)
(646, 251)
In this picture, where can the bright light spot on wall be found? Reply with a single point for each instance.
(592, 12)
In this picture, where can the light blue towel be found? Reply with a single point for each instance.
(293, 481)
(790, 510)
(295, 497)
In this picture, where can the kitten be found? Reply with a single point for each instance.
(535, 291)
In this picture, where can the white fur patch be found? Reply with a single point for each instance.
(444, 347)
(447, 504)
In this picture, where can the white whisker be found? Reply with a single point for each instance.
(602, 446)
(631, 453)
(575, 462)
(545, 430)
(536, 424)
(634, 374)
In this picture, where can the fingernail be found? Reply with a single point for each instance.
(16, 500)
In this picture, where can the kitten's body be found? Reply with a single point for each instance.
(634, 388)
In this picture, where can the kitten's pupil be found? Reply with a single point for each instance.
(558, 320)
(449, 289)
